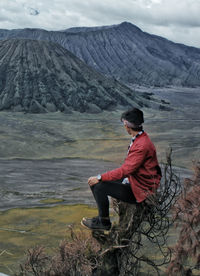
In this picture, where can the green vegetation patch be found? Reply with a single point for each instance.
(51, 200)
(21, 229)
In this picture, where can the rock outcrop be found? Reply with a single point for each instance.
(40, 76)
(125, 52)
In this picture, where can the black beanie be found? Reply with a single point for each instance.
(134, 116)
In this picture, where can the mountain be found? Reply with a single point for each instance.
(41, 76)
(125, 52)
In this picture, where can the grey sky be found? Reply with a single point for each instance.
(177, 20)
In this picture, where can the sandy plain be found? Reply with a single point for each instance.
(64, 150)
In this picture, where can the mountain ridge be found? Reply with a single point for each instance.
(126, 53)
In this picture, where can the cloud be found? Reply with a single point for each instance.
(175, 19)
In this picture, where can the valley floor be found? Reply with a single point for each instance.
(39, 150)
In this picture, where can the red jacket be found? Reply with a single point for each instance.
(140, 166)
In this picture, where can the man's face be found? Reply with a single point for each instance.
(128, 129)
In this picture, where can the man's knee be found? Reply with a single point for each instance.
(99, 187)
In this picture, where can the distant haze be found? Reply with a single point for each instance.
(177, 20)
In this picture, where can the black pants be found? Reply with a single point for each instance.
(115, 189)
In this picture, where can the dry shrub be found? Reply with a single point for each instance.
(77, 257)
(186, 252)
(36, 262)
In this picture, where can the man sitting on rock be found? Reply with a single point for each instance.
(134, 181)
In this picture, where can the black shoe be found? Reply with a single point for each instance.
(96, 223)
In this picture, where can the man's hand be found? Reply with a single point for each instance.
(93, 180)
